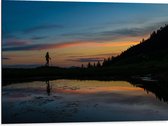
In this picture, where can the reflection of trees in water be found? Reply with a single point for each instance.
(48, 87)
(160, 90)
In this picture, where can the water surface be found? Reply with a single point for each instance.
(75, 100)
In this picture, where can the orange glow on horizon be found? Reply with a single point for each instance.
(86, 43)
(63, 54)
(97, 90)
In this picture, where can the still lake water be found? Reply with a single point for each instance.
(75, 100)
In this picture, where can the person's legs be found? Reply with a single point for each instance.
(47, 64)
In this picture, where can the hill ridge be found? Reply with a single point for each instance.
(152, 49)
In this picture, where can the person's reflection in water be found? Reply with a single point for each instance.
(48, 87)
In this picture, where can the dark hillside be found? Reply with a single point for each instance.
(154, 49)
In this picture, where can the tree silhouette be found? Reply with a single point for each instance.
(82, 66)
(89, 65)
(98, 64)
(94, 65)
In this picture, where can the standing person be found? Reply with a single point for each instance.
(47, 58)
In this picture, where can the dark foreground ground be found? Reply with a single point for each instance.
(127, 72)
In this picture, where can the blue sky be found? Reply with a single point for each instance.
(34, 25)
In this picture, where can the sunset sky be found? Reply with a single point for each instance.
(74, 33)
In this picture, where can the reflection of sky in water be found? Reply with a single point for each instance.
(74, 100)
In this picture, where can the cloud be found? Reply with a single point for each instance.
(91, 58)
(8, 35)
(67, 45)
(38, 37)
(124, 32)
(15, 42)
(43, 27)
(108, 54)
(44, 46)
(92, 37)
(117, 33)
(86, 59)
(106, 35)
(20, 48)
(100, 55)
(5, 58)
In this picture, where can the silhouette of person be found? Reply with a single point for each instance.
(48, 87)
(47, 58)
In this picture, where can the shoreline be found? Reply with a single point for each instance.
(103, 78)
(14, 75)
